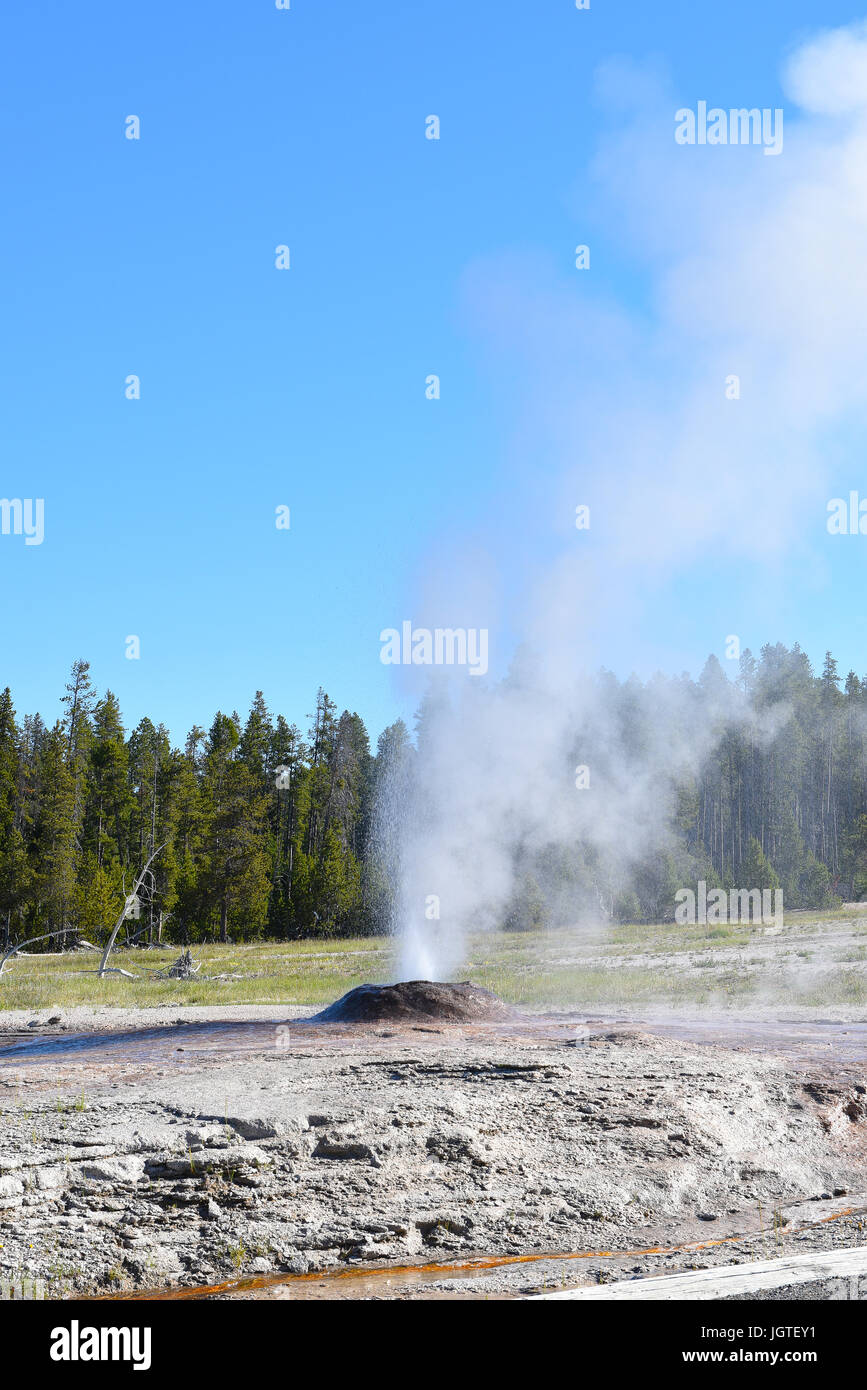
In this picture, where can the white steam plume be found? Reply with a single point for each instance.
(758, 269)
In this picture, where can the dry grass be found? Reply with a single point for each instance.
(583, 967)
(264, 973)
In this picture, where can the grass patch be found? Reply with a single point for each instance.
(838, 987)
(264, 973)
(581, 989)
(582, 968)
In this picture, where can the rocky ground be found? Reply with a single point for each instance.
(196, 1156)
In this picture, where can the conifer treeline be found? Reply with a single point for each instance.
(780, 798)
(264, 830)
(799, 794)
(268, 832)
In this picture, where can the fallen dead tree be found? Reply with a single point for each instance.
(184, 968)
(31, 941)
(113, 970)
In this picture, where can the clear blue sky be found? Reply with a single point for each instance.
(156, 257)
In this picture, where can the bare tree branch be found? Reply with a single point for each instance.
(121, 919)
(61, 931)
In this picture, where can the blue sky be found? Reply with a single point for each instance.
(306, 388)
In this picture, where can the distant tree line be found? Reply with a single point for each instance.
(778, 798)
(790, 804)
(268, 832)
(264, 831)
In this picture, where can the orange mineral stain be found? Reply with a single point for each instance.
(387, 1272)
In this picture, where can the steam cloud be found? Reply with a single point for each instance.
(757, 269)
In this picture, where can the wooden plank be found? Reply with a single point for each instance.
(842, 1274)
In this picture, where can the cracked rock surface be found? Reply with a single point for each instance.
(406, 1147)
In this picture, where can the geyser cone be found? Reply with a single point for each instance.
(416, 1000)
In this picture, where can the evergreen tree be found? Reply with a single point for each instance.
(14, 868)
(55, 847)
(756, 870)
(235, 865)
(108, 806)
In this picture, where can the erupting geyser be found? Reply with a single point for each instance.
(413, 1001)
